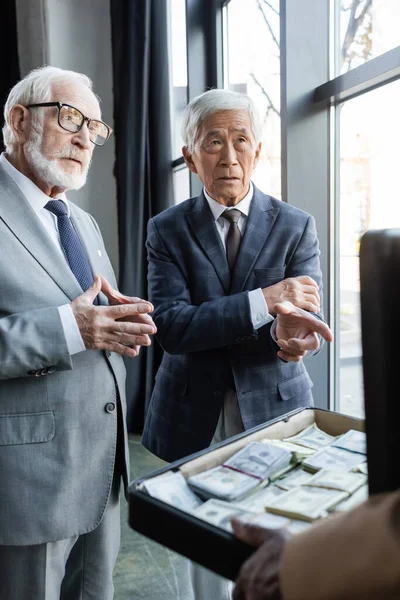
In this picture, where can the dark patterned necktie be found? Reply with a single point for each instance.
(72, 245)
(234, 236)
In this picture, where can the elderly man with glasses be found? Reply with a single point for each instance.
(63, 331)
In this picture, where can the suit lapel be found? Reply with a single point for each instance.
(22, 220)
(260, 221)
(202, 224)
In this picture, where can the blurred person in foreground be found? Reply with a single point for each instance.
(63, 331)
(351, 556)
(219, 266)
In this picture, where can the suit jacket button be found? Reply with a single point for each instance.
(32, 372)
(110, 407)
(108, 353)
(48, 370)
(217, 393)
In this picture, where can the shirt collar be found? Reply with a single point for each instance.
(244, 205)
(36, 198)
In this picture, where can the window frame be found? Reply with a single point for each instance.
(309, 98)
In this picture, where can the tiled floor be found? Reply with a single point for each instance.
(145, 570)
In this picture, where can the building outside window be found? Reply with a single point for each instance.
(252, 66)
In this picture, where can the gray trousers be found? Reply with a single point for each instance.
(78, 568)
(206, 584)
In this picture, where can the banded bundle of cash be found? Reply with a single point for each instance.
(294, 479)
(353, 441)
(220, 513)
(306, 503)
(243, 472)
(333, 459)
(312, 437)
(299, 453)
(172, 489)
(334, 480)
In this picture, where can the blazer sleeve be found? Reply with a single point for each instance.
(304, 259)
(31, 341)
(347, 557)
(183, 327)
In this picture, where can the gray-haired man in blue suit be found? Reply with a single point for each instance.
(63, 440)
(235, 279)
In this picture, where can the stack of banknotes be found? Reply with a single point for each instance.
(243, 472)
(286, 483)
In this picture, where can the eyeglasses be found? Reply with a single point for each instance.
(71, 119)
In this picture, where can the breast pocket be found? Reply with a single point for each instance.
(267, 277)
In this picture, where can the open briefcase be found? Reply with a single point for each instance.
(202, 542)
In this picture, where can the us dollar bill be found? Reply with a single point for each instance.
(172, 489)
(242, 473)
(335, 480)
(294, 479)
(222, 483)
(260, 460)
(332, 459)
(298, 452)
(311, 437)
(219, 513)
(353, 441)
(257, 501)
(306, 503)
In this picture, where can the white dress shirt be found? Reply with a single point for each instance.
(38, 199)
(258, 306)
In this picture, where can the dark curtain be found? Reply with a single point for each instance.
(143, 167)
(9, 65)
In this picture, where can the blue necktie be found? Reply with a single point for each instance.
(72, 245)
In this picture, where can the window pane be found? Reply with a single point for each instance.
(181, 185)
(369, 199)
(252, 66)
(368, 28)
(179, 71)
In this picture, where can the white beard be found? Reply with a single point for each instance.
(49, 171)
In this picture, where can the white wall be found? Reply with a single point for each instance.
(78, 37)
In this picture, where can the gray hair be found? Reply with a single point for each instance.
(210, 102)
(35, 88)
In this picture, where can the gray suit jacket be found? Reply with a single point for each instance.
(204, 322)
(57, 440)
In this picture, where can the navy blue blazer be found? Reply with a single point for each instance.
(204, 323)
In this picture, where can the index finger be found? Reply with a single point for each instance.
(128, 310)
(298, 317)
(116, 295)
(131, 300)
(323, 330)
